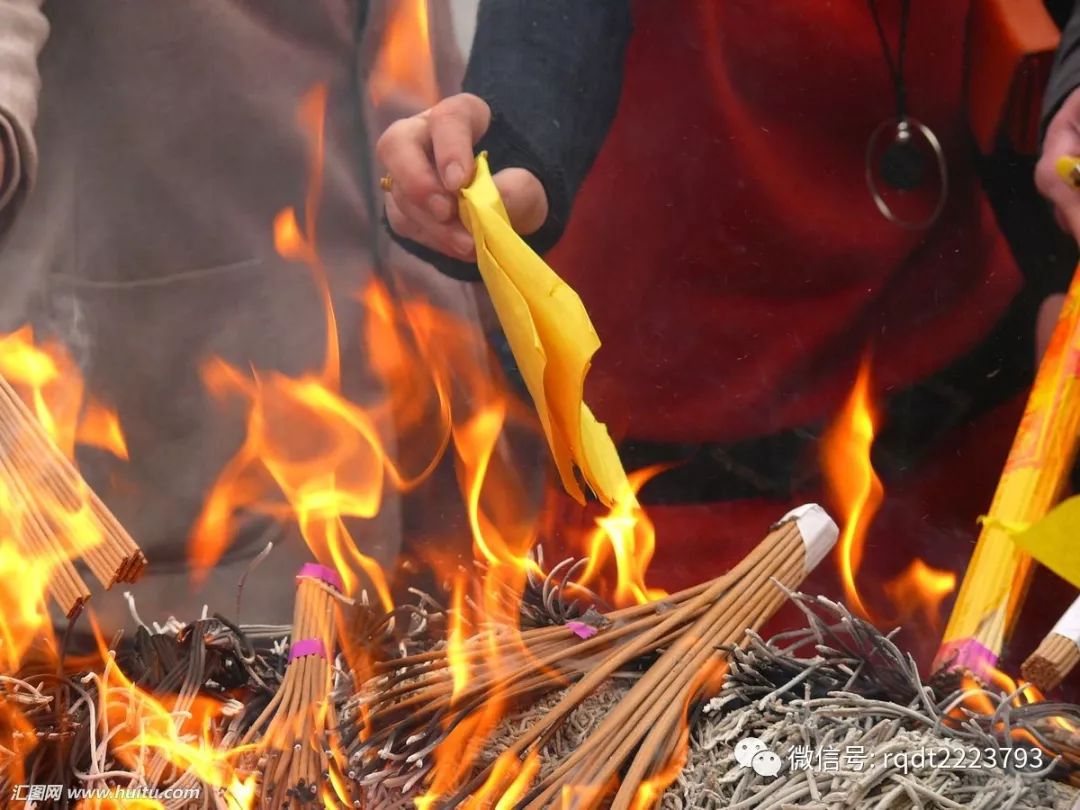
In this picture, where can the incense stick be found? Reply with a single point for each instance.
(1058, 653)
(587, 774)
(1036, 470)
(403, 715)
(293, 729)
(59, 516)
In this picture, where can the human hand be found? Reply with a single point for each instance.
(429, 158)
(1062, 142)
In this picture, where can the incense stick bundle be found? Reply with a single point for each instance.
(1058, 653)
(59, 517)
(293, 730)
(411, 709)
(644, 729)
(1036, 470)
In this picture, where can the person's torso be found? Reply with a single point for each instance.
(726, 242)
(169, 138)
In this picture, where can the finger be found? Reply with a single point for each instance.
(404, 150)
(402, 224)
(524, 199)
(457, 123)
(450, 239)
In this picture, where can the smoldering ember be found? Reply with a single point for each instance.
(514, 658)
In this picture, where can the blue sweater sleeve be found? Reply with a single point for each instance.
(1065, 76)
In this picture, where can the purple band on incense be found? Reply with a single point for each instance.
(582, 630)
(321, 572)
(307, 646)
(970, 654)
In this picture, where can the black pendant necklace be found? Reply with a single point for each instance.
(902, 150)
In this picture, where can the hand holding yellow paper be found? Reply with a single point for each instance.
(551, 337)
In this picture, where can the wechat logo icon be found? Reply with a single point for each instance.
(752, 753)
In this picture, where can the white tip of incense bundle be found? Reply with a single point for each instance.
(1069, 624)
(819, 531)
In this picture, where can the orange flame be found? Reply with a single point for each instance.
(629, 535)
(708, 681)
(456, 640)
(977, 699)
(162, 738)
(404, 66)
(919, 592)
(100, 427)
(305, 440)
(853, 485)
(47, 380)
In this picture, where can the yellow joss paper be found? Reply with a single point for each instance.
(1053, 540)
(551, 337)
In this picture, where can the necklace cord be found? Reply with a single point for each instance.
(894, 64)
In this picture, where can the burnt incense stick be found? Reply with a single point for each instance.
(1058, 653)
(54, 515)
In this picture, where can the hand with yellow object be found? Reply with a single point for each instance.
(1059, 162)
(428, 159)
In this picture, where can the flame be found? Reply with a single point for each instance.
(305, 441)
(629, 535)
(708, 681)
(162, 738)
(457, 637)
(977, 699)
(507, 784)
(919, 592)
(404, 65)
(100, 427)
(850, 478)
(47, 380)
(456, 755)
(23, 610)
(312, 456)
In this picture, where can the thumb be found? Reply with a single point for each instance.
(456, 124)
(524, 198)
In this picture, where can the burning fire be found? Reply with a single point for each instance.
(404, 65)
(628, 534)
(168, 740)
(920, 591)
(47, 380)
(853, 485)
(324, 454)
(851, 480)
